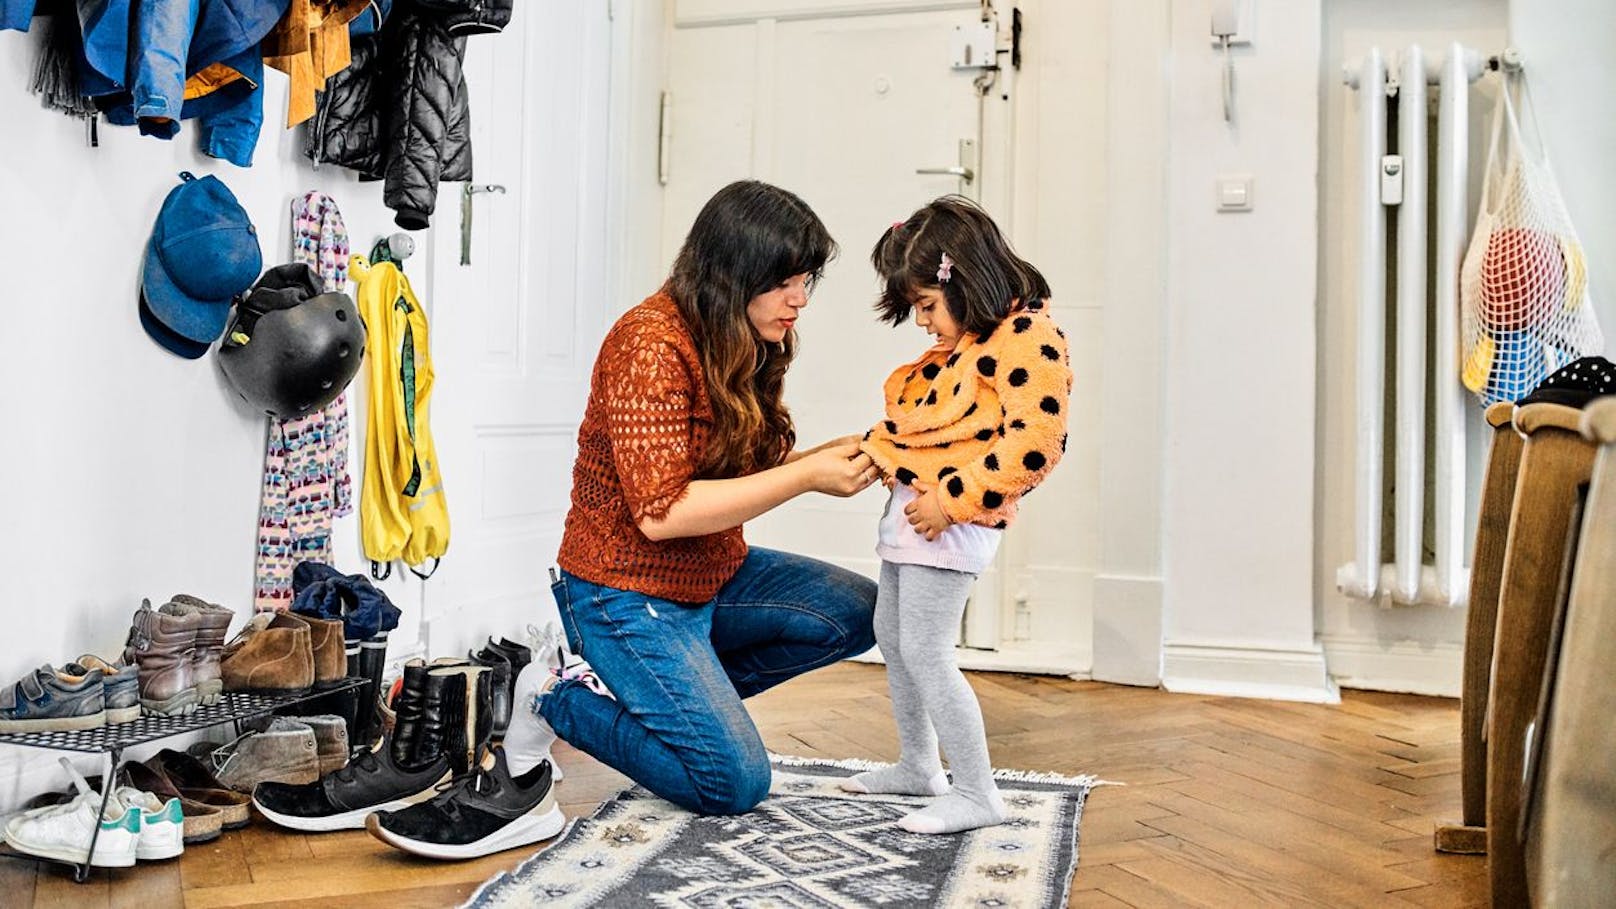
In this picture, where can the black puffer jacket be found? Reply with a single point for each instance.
(399, 112)
(472, 17)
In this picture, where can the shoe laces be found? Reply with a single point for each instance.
(365, 763)
(582, 672)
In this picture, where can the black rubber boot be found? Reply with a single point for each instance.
(499, 673)
(372, 660)
(468, 713)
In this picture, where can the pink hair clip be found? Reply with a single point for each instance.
(945, 269)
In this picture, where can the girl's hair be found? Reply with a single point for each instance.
(749, 238)
(986, 277)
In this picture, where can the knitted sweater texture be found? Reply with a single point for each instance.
(985, 422)
(643, 432)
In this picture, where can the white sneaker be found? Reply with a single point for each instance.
(63, 832)
(162, 825)
(528, 738)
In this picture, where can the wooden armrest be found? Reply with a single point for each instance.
(1500, 414)
(1599, 420)
(1533, 417)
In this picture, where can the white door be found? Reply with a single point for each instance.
(842, 111)
(515, 332)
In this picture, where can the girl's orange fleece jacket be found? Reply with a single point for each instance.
(985, 421)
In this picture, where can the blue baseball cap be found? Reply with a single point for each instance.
(203, 252)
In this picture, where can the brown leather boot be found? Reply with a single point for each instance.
(272, 654)
(214, 627)
(330, 651)
(162, 647)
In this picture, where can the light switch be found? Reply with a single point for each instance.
(1234, 192)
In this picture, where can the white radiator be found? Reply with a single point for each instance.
(1401, 181)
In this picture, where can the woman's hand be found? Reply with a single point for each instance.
(926, 515)
(839, 468)
(833, 443)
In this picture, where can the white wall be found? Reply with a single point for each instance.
(1569, 48)
(1240, 364)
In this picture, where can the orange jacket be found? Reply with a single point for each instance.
(985, 422)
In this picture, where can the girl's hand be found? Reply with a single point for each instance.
(926, 515)
(839, 470)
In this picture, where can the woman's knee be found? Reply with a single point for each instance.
(735, 787)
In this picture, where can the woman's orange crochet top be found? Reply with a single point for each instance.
(644, 428)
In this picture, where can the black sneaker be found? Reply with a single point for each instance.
(484, 811)
(342, 799)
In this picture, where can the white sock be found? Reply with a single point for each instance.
(897, 780)
(529, 738)
(956, 812)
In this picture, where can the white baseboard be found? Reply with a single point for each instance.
(1034, 659)
(1402, 666)
(1248, 672)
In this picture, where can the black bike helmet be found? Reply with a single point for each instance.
(291, 348)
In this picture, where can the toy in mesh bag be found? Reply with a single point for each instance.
(1524, 282)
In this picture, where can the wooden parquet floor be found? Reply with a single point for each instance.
(1228, 803)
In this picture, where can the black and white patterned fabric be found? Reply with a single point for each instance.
(1576, 383)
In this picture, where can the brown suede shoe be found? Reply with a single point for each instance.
(330, 651)
(272, 654)
(213, 625)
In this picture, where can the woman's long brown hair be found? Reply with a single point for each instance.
(749, 238)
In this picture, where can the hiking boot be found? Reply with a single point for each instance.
(273, 654)
(284, 751)
(47, 700)
(485, 811)
(213, 626)
(194, 781)
(200, 822)
(161, 645)
(330, 739)
(120, 686)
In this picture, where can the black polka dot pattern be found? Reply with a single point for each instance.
(1576, 383)
(947, 401)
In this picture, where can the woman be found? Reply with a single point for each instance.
(685, 438)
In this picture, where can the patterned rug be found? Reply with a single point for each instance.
(808, 846)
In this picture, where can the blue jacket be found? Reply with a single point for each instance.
(139, 53)
(15, 14)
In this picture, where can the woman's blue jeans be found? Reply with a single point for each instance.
(679, 671)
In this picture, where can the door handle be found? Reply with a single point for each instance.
(471, 189)
(958, 170)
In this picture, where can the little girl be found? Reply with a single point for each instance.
(972, 426)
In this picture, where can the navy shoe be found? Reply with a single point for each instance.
(46, 700)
